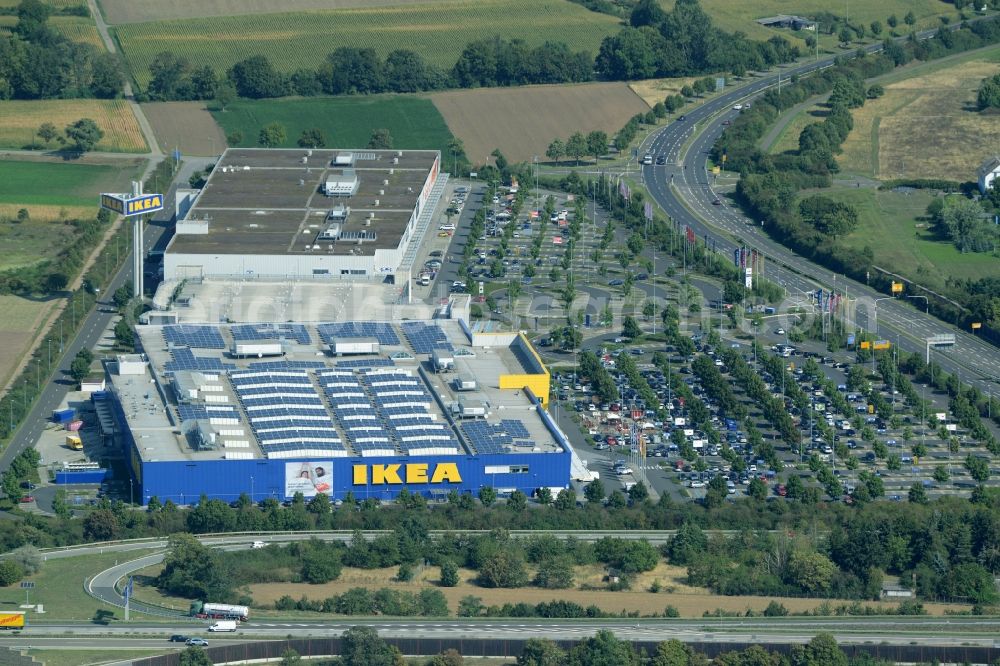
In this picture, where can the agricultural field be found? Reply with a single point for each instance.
(27, 183)
(689, 601)
(436, 30)
(139, 11)
(19, 120)
(926, 125)
(186, 126)
(413, 122)
(18, 328)
(893, 225)
(732, 16)
(76, 28)
(488, 118)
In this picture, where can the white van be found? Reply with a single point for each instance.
(224, 625)
(256, 545)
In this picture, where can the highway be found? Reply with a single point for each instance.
(684, 189)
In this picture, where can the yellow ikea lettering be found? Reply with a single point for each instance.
(416, 473)
(382, 474)
(446, 472)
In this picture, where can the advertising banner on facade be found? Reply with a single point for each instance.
(308, 478)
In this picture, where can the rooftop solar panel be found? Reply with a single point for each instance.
(425, 338)
(274, 331)
(197, 336)
(381, 331)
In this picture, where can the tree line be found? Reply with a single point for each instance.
(770, 185)
(38, 62)
(679, 43)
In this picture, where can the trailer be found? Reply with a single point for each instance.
(74, 426)
(220, 611)
(12, 620)
(63, 416)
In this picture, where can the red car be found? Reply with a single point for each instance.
(27, 499)
(612, 441)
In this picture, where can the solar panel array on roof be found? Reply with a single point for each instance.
(366, 363)
(425, 338)
(287, 415)
(381, 331)
(496, 437)
(196, 412)
(182, 358)
(198, 336)
(275, 331)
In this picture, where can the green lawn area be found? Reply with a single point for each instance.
(888, 224)
(89, 657)
(787, 139)
(346, 122)
(59, 587)
(60, 184)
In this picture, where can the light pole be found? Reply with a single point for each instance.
(875, 308)
(251, 490)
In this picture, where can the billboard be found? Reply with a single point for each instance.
(128, 204)
(308, 478)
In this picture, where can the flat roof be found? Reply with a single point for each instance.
(270, 201)
(163, 422)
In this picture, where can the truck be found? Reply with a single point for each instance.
(219, 611)
(74, 442)
(63, 416)
(224, 625)
(12, 620)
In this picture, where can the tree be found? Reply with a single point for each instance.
(503, 569)
(822, 650)
(195, 656)
(380, 139)
(225, 94)
(10, 572)
(257, 78)
(60, 506)
(46, 132)
(271, 135)
(604, 649)
(449, 574)
(576, 146)
(83, 135)
(597, 144)
(963, 221)
(675, 653)
(80, 367)
(892, 21)
(290, 658)
(595, 492)
(687, 91)
(910, 18)
(811, 571)
(487, 496)
(361, 646)
(312, 138)
(757, 489)
(565, 500)
(543, 495)
(470, 606)
(124, 336)
(978, 468)
(876, 28)
(555, 150)
(917, 494)
(630, 327)
(941, 474)
(540, 652)
(517, 501)
(716, 493)
(555, 573)
(845, 35)
(638, 493)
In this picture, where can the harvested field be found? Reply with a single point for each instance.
(139, 11)
(436, 31)
(489, 118)
(19, 120)
(655, 90)
(924, 126)
(18, 327)
(187, 126)
(691, 602)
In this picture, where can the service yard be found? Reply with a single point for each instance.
(523, 121)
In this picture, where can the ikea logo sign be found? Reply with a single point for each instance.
(409, 473)
(125, 205)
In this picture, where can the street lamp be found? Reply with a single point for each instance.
(875, 308)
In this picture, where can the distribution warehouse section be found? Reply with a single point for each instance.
(369, 408)
(300, 213)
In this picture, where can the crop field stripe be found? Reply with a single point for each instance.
(438, 32)
(20, 118)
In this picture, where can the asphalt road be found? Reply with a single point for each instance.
(684, 190)
(95, 322)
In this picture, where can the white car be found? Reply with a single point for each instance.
(737, 107)
(446, 227)
(779, 331)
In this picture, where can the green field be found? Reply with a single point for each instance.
(888, 224)
(61, 184)
(413, 122)
(65, 657)
(59, 587)
(436, 31)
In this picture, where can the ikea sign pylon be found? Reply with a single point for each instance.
(131, 204)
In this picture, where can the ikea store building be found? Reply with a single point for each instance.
(368, 408)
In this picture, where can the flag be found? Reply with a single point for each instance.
(736, 257)
(621, 187)
(743, 257)
(649, 211)
(690, 235)
(753, 260)
(628, 192)
(557, 240)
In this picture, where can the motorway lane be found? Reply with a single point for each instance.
(93, 327)
(684, 190)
